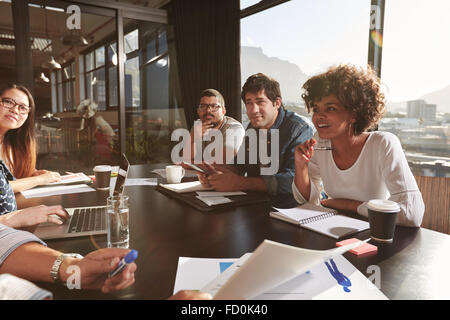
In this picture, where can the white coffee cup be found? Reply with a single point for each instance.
(174, 174)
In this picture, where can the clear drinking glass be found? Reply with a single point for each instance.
(117, 212)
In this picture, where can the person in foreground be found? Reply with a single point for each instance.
(353, 164)
(18, 150)
(262, 97)
(17, 138)
(25, 256)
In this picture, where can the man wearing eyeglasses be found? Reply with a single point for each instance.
(262, 97)
(211, 112)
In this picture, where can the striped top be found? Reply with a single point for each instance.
(11, 239)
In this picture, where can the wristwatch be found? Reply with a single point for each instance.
(54, 271)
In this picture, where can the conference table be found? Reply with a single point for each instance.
(414, 266)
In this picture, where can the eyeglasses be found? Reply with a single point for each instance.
(10, 103)
(213, 106)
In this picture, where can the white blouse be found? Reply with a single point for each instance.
(380, 172)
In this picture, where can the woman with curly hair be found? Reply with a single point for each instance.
(353, 163)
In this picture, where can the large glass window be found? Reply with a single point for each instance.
(297, 39)
(85, 128)
(152, 113)
(63, 88)
(415, 68)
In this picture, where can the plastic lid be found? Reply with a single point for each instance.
(102, 168)
(131, 256)
(383, 205)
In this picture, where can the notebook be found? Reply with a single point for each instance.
(74, 178)
(322, 220)
(184, 187)
(84, 221)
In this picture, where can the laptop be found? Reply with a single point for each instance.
(84, 221)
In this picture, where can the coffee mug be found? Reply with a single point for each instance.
(102, 176)
(382, 218)
(174, 174)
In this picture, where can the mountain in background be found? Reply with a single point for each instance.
(288, 74)
(439, 97)
(291, 78)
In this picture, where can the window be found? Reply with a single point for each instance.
(303, 38)
(95, 78)
(415, 69)
(131, 41)
(63, 88)
(132, 83)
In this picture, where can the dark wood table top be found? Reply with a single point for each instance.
(414, 266)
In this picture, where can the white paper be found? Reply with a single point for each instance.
(194, 273)
(79, 177)
(328, 280)
(187, 174)
(57, 190)
(204, 194)
(270, 265)
(315, 218)
(211, 201)
(141, 182)
(185, 187)
(303, 212)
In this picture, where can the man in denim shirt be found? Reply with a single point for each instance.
(262, 98)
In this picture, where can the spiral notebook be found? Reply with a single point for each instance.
(322, 220)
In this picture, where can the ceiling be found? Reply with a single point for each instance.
(47, 27)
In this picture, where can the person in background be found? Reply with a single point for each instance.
(211, 112)
(17, 139)
(96, 127)
(262, 97)
(353, 164)
(19, 250)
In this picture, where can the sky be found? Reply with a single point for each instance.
(317, 34)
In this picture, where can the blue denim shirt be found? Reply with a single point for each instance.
(293, 130)
(7, 198)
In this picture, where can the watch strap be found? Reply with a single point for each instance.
(54, 271)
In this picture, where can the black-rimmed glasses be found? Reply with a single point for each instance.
(10, 103)
(213, 106)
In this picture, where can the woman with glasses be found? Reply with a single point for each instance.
(18, 145)
(18, 152)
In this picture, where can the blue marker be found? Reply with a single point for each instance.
(129, 258)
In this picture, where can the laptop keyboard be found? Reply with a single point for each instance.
(88, 219)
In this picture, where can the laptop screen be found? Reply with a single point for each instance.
(122, 175)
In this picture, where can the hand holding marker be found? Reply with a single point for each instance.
(129, 258)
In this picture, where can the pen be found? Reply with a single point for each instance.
(129, 258)
(322, 148)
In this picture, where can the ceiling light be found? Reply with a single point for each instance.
(51, 64)
(74, 38)
(161, 62)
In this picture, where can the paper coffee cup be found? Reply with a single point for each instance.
(382, 219)
(102, 176)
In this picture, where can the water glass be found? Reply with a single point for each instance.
(117, 213)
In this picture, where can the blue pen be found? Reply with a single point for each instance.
(129, 258)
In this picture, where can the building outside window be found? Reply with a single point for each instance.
(307, 37)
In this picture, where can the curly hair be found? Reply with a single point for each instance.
(358, 90)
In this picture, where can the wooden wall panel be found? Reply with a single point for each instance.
(436, 196)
